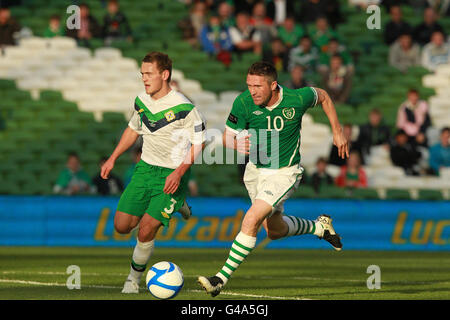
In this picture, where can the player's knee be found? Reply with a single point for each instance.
(121, 228)
(146, 233)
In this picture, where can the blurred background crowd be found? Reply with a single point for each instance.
(374, 78)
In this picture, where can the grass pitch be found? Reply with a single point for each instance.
(40, 273)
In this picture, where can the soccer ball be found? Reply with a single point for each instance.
(164, 280)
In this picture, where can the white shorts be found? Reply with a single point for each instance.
(273, 186)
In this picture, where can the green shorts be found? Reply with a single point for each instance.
(144, 194)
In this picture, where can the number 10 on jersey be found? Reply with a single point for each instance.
(278, 123)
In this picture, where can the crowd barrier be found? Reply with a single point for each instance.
(89, 221)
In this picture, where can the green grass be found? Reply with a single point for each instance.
(40, 273)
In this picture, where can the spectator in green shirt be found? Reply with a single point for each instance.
(54, 28)
(335, 48)
(321, 34)
(73, 179)
(290, 33)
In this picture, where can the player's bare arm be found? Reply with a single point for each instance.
(173, 180)
(128, 138)
(338, 137)
(241, 144)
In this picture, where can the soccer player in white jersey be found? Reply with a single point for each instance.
(173, 133)
(272, 115)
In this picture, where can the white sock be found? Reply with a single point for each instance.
(241, 248)
(141, 255)
(298, 226)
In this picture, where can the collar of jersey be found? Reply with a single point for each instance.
(279, 100)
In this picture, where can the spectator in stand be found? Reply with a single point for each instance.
(403, 53)
(352, 146)
(404, 154)
(279, 11)
(311, 10)
(396, 26)
(225, 13)
(321, 34)
(335, 48)
(290, 33)
(352, 174)
(73, 179)
(198, 16)
(112, 186)
(337, 81)
(191, 26)
(374, 133)
(422, 33)
(413, 118)
(440, 152)
(277, 55)
(244, 36)
(305, 55)
(436, 52)
(89, 27)
(9, 27)
(263, 23)
(115, 24)
(216, 41)
(297, 79)
(135, 158)
(320, 177)
(54, 28)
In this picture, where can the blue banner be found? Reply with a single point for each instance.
(88, 221)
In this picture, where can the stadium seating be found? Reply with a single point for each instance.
(56, 74)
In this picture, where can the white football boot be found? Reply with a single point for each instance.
(185, 211)
(130, 286)
(328, 232)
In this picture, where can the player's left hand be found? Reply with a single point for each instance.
(172, 183)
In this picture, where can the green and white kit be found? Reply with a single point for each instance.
(273, 176)
(169, 126)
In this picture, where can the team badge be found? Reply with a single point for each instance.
(169, 116)
(288, 113)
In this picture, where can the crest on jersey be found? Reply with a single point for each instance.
(288, 113)
(169, 116)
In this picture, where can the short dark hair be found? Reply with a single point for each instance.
(162, 60)
(400, 132)
(73, 154)
(264, 68)
(444, 129)
(376, 111)
(321, 159)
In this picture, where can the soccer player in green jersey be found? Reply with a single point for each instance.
(272, 116)
(173, 133)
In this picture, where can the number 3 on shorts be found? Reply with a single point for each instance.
(169, 210)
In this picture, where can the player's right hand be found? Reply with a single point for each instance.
(106, 168)
(243, 144)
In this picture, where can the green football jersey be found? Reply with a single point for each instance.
(275, 130)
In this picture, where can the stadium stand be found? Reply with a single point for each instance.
(58, 97)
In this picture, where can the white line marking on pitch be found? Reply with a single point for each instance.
(228, 293)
